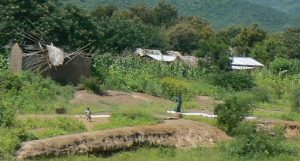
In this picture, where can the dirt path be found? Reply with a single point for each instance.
(115, 98)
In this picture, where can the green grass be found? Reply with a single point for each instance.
(129, 118)
(44, 128)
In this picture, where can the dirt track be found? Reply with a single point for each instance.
(175, 133)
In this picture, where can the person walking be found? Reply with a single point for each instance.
(88, 114)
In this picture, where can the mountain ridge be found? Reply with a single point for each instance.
(219, 13)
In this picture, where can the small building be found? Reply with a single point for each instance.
(244, 63)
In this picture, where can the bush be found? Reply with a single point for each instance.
(27, 92)
(233, 80)
(233, 112)
(3, 62)
(281, 64)
(93, 84)
(173, 87)
(262, 94)
(253, 141)
(7, 117)
(295, 98)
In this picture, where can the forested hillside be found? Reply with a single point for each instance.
(219, 13)
(288, 6)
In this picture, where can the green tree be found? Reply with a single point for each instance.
(14, 13)
(248, 37)
(233, 112)
(217, 51)
(121, 33)
(229, 34)
(269, 49)
(291, 39)
(73, 28)
(66, 26)
(142, 12)
(186, 35)
(104, 11)
(165, 13)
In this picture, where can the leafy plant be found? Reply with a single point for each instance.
(253, 141)
(233, 80)
(233, 112)
(172, 88)
(7, 117)
(93, 84)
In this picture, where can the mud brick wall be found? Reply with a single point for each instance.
(71, 72)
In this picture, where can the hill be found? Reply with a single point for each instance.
(288, 6)
(219, 13)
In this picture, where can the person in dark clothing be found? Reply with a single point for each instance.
(179, 103)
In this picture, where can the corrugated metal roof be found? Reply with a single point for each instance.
(245, 61)
(241, 67)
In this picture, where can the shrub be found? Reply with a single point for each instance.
(281, 64)
(93, 84)
(295, 98)
(262, 95)
(233, 80)
(172, 87)
(28, 92)
(253, 141)
(7, 117)
(3, 62)
(233, 112)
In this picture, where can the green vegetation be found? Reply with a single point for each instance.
(93, 84)
(44, 128)
(114, 32)
(253, 140)
(27, 93)
(288, 6)
(220, 13)
(129, 118)
(238, 108)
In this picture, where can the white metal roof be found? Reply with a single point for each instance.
(245, 61)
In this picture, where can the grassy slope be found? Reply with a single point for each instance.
(220, 13)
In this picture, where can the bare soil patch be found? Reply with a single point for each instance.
(115, 98)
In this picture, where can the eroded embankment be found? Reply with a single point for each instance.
(178, 133)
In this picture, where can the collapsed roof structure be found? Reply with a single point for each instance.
(43, 57)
